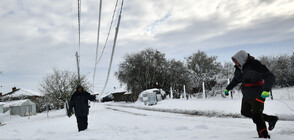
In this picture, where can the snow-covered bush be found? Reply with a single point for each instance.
(58, 87)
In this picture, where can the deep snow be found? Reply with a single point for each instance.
(124, 121)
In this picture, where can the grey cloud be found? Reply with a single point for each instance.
(262, 31)
(266, 1)
(39, 35)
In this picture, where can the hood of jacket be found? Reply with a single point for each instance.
(241, 57)
(79, 86)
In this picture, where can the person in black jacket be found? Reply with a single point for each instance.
(257, 81)
(79, 101)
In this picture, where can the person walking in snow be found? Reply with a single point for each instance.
(257, 81)
(79, 101)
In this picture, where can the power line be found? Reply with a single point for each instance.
(108, 32)
(110, 27)
(98, 33)
(73, 28)
(113, 48)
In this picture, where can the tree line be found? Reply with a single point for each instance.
(282, 67)
(149, 68)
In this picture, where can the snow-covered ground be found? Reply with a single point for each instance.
(216, 119)
(215, 108)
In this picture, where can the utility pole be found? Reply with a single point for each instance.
(78, 66)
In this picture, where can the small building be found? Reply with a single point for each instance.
(117, 95)
(22, 94)
(121, 94)
(107, 97)
(20, 107)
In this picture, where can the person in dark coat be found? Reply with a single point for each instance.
(79, 101)
(257, 81)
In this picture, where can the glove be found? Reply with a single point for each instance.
(265, 94)
(226, 92)
(69, 114)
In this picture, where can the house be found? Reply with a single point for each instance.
(20, 107)
(21, 94)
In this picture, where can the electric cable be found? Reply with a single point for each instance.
(97, 46)
(113, 48)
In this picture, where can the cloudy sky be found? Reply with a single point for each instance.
(37, 36)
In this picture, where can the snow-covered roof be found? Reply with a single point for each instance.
(16, 103)
(150, 90)
(116, 90)
(119, 90)
(104, 95)
(23, 92)
(162, 92)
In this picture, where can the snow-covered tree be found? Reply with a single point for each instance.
(178, 75)
(282, 67)
(281, 70)
(58, 86)
(291, 70)
(227, 71)
(205, 68)
(142, 70)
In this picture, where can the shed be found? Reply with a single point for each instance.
(20, 107)
(117, 95)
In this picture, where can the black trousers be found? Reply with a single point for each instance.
(82, 122)
(253, 108)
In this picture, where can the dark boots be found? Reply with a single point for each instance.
(82, 123)
(264, 134)
(272, 122)
(254, 109)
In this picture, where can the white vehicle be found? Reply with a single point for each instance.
(151, 96)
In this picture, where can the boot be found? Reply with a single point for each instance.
(264, 134)
(272, 122)
(266, 137)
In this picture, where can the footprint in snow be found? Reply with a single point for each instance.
(182, 128)
(201, 126)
